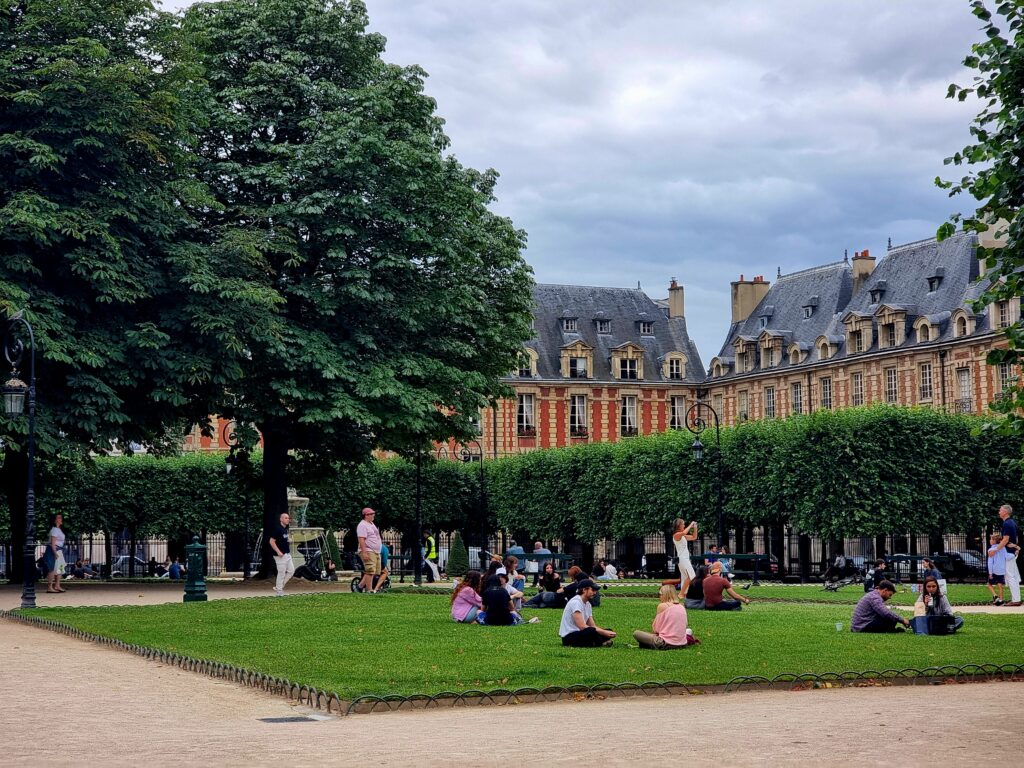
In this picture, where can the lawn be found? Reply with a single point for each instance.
(404, 644)
(959, 594)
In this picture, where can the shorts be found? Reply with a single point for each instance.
(994, 578)
(371, 563)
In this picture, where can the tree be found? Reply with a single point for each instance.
(396, 297)
(93, 146)
(458, 557)
(997, 176)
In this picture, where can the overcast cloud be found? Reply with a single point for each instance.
(651, 140)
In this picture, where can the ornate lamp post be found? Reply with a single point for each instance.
(235, 457)
(696, 423)
(467, 455)
(15, 392)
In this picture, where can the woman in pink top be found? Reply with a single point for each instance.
(466, 601)
(670, 629)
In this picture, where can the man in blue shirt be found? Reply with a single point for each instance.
(1010, 542)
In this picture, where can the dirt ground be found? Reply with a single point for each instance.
(106, 705)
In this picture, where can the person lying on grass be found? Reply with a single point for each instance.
(715, 585)
(578, 628)
(670, 630)
(872, 615)
(466, 602)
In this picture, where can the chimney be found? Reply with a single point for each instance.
(746, 295)
(675, 299)
(988, 239)
(863, 266)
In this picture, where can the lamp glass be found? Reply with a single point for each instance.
(698, 450)
(14, 398)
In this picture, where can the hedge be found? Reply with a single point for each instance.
(854, 472)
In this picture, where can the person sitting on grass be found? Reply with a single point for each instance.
(497, 610)
(551, 594)
(578, 629)
(872, 615)
(516, 583)
(466, 602)
(670, 630)
(694, 599)
(715, 585)
(571, 589)
(935, 603)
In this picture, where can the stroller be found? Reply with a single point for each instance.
(357, 565)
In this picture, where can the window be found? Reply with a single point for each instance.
(627, 369)
(769, 357)
(857, 341)
(825, 387)
(823, 351)
(1004, 314)
(525, 366)
(646, 328)
(808, 311)
(924, 333)
(717, 403)
(769, 402)
(578, 416)
(890, 334)
(627, 416)
(1004, 376)
(526, 425)
(796, 396)
(743, 410)
(876, 296)
(748, 361)
(891, 391)
(762, 323)
(675, 368)
(961, 326)
(925, 377)
(934, 283)
(474, 422)
(577, 367)
(569, 324)
(963, 384)
(604, 326)
(677, 417)
(857, 389)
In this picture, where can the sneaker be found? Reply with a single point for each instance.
(997, 600)
(607, 643)
(534, 620)
(1014, 604)
(279, 592)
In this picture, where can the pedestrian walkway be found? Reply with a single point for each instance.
(71, 701)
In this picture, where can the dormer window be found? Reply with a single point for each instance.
(924, 333)
(876, 296)
(627, 362)
(857, 341)
(961, 326)
(824, 352)
(527, 364)
(674, 366)
(933, 283)
(646, 327)
(628, 369)
(577, 367)
(569, 325)
(762, 323)
(604, 326)
(808, 311)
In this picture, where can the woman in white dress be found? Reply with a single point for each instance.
(55, 556)
(682, 534)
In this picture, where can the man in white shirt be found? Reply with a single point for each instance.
(578, 629)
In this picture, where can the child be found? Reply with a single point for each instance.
(996, 568)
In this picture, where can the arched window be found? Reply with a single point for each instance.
(961, 326)
(823, 351)
(924, 333)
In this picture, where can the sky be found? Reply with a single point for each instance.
(661, 139)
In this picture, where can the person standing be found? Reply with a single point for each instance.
(1010, 541)
(55, 556)
(429, 552)
(578, 628)
(282, 553)
(369, 549)
(538, 551)
(682, 534)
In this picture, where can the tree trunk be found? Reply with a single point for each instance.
(14, 474)
(275, 491)
(804, 546)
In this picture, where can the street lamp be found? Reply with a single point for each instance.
(467, 456)
(696, 423)
(235, 457)
(15, 393)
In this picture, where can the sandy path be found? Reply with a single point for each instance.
(116, 708)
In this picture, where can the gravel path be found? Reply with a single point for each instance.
(111, 708)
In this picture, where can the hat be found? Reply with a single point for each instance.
(584, 583)
(368, 511)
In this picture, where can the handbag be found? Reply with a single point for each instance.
(941, 625)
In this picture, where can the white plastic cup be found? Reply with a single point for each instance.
(839, 626)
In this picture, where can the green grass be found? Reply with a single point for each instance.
(959, 594)
(394, 643)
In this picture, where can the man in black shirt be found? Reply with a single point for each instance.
(1010, 542)
(282, 553)
(498, 603)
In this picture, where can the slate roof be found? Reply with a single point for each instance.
(902, 277)
(827, 289)
(624, 308)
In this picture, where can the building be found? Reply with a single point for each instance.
(605, 364)
(853, 333)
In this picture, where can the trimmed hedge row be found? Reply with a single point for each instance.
(855, 472)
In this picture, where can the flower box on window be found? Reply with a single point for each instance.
(527, 431)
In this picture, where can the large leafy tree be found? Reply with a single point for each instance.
(397, 297)
(995, 175)
(94, 244)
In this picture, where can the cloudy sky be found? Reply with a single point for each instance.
(644, 141)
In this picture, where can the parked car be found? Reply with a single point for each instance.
(961, 564)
